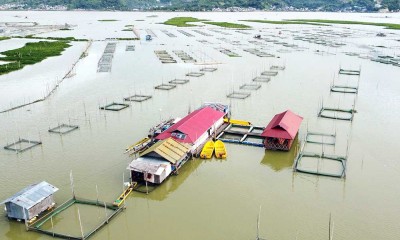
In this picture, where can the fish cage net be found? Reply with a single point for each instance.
(336, 113)
(165, 86)
(115, 106)
(238, 95)
(194, 74)
(168, 61)
(208, 69)
(22, 145)
(269, 73)
(344, 89)
(262, 79)
(276, 67)
(42, 225)
(349, 72)
(179, 81)
(320, 138)
(321, 164)
(63, 129)
(137, 98)
(248, 86)
(130, 48)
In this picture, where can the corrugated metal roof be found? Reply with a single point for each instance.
(31, 195)
(148, 165)
(169, 149)
(283, 125)
(193, 125)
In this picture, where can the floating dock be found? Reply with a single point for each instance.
(246, 134)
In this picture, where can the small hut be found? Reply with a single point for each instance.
(281, 131)
(30, 201)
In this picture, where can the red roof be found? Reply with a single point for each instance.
(283, 125)
(193, 125)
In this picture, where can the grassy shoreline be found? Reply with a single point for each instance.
(182, 21)
(228, 25)
(285, 22)
(392, 26)
(30, 54)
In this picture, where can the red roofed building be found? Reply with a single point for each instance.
(281, 131)
(196, 127)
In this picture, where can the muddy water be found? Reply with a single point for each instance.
(211, 199)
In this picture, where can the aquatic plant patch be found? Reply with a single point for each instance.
(182, 21)
(22, 145)
(228, 24)
(30, 54)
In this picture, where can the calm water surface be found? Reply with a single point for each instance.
(210, 199)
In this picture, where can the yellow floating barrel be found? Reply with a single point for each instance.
(208, 150)
(220, 150)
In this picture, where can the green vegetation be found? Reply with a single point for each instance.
(284, 22)
(228, 25)
(4, 38)
(68, 39)
(107, 20)
(182, 21)
(31, 53)
(386, 25)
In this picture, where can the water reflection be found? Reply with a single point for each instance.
(279, 160)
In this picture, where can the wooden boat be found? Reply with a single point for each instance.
(124, 195)
(220, 150)
(139, 145)
(208, 150)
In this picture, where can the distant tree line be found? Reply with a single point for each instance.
(199, 5)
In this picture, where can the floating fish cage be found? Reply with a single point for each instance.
(179, 81)
(321, 157)
(202, 33)
(165, 86)
(194, 74)
(336, 113)
(269, 73)
(344, 89)
(249, 86)
(64, 129)
(262, 79)
(185, 33)
(168, 61)
(168, 33)
(276, 67)
(349, 72)
(37, 226)
(137, 98)
(208, 69)
(238, 95)
(320, 138)
(115, 106)
(22, 145)
(130, 48)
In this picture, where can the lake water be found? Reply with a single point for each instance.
(210, 199)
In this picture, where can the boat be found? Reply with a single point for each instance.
(124, 195)
(220, 150)
(139, 146)
(237, 122)
(208, 150)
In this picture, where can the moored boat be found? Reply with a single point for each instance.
(208, 150)
(220, 150)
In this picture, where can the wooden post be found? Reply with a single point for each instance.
(105, 211)
(97, 194)
(52, 225)
(80, 224)
(71, 178)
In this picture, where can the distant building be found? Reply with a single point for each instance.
(281, 131)
(31, 201)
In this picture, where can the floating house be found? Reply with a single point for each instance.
(281, 131)
(174, 142)
(156, 163)
(196, 127)
(30, 202)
